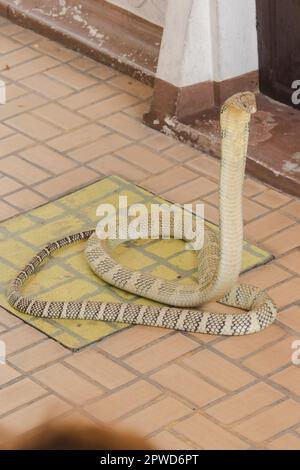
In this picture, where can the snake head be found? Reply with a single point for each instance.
(244, 101)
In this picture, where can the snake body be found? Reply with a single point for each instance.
(219, 262)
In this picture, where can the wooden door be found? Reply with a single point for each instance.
(278, 24)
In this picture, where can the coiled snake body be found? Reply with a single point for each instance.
(219, 262)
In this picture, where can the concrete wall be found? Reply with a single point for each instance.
(185, 54)
(236, 36)
(208, 40)
(151, 10)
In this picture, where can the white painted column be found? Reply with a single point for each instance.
(234, 31)
(185, 54)
(208, 40)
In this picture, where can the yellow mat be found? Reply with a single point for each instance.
(67, 276)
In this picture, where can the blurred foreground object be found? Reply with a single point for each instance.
(76, 435)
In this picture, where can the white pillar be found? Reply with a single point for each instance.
(236, 36)
(185, 55)
(208, 40)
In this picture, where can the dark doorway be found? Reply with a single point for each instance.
(279, 49)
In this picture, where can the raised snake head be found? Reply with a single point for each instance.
(244, 101)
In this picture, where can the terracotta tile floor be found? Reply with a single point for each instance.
(70, 121)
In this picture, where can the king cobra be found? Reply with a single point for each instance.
(219, 262)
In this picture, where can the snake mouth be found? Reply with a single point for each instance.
(253, 110)
(247, 102)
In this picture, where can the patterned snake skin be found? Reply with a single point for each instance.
(219, 262)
